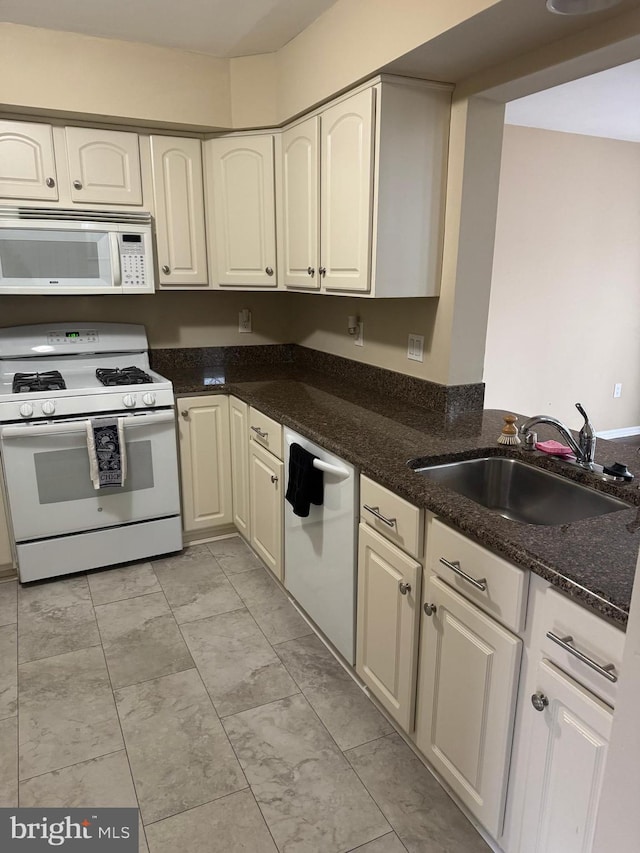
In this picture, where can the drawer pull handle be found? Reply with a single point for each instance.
(539, 701)
(607, 671)
(259, 432)
(375, 510)
(454, 565)
(404, 587)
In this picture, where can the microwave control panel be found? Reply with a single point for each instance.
(132, 259)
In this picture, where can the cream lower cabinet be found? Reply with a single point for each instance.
(205, 462)
(27, 164)
(469, 667)
(568, 737)
(6, 557)
(239, 432)
(266, 494)
(387, 623)
(178, 194)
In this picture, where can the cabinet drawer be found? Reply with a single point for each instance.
(494, 584)
(598, 640)
(265, 431)
(403, 522)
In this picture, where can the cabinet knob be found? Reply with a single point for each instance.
(311, 271)
(322, 271)
(274, 478)
(50, 182)
(166, 269)
(77, 185)
(429, 609)
(185, 413)
(269, 270)
(539, 701)
(404, 587)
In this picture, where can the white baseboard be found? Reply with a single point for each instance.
(618, 433)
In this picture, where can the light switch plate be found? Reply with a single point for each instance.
(359, 338)
(244, 321)
(415, 349)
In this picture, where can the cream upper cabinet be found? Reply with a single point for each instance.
(27, 165)
(178, 193)
(205, 462)
(469, 667)
(387, 623)
(239, 429)
(347, 193)
(241, 203)
(299, 197)
(104, 166)
(266, 485)
(382, 155)
(568, 739)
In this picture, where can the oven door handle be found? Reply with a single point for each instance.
(28, 431)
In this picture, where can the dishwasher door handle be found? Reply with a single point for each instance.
(340, 473)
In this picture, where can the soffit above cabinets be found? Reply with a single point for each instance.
(222, 28)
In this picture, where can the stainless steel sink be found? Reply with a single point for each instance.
(521, 492)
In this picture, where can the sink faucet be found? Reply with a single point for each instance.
(584, 449)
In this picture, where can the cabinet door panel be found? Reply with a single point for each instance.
(266, 506)
(243, 190)
(239, 417)
(387, 624)
(347, 192)
(27, 161)
(179, 210)
(468, 679)
(205, 462)
(568, 749)
(300, 204)
(104, 166)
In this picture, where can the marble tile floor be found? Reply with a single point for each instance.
(191, 688)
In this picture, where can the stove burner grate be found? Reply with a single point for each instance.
(50, 380)
(122, 376)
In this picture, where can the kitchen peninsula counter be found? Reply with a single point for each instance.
(378, 429)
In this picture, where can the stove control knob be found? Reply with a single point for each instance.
(149, 399)
(129, 400)
(26, 410)
(48, 407)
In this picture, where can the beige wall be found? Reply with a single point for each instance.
(172, 319)
(69, 73)
(564, 319)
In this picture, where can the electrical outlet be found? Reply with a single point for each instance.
(244, 321)
(415, 348)
(359, 338)
(617, 389)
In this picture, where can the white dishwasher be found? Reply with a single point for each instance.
(320, 550)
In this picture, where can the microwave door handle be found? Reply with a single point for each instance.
(28, 431)
(115, 258)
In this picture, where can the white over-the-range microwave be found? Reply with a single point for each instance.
(56, 250)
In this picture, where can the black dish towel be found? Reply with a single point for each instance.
(306, 485)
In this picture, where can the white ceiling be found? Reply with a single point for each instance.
(219, 27)
(605, 104)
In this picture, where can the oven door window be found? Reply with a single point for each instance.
(50, 490)
(63, 475)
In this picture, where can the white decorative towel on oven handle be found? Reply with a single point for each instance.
(107, 452)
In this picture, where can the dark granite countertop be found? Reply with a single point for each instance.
(593, 560)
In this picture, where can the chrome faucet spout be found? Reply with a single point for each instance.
(584, 449)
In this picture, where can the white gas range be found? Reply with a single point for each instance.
(53, 380)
